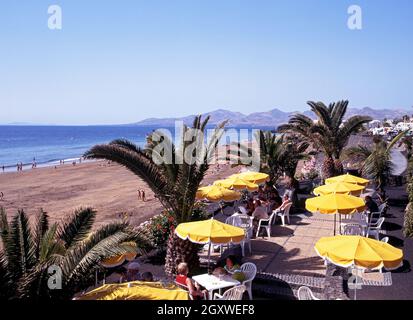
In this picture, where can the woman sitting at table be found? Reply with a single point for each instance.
(234, 269)
(183, 280)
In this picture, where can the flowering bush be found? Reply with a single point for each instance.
(160, 227)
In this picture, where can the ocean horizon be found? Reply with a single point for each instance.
(48, 145)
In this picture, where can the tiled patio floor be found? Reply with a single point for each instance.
(290, 250)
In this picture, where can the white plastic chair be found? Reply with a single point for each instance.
(234, 293)
(375, 216)
(353, 229)
(385, 239)
(250, 271)
(246, 223)
(266, 224)
(285, 214)
(375, 228)
(305, 293)
(243, 210)
(246, 241)
(233, 220)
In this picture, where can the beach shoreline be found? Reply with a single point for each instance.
(107, 187)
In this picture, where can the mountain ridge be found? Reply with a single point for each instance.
(271, 118)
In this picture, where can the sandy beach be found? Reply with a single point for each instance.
(109, 188)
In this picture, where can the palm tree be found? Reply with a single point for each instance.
(330, 133)
(280, 154)
(71, 248)
(376, 161)
(174, 173)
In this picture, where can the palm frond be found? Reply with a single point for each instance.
(77, 227)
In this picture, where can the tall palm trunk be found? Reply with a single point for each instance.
(328, 167)
(178, 251)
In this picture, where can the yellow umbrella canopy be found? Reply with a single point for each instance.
(339, 187)
(209, 231)
(136, 290)
(335, 203)
(116, 261)
(251, 176)
(349, 179)
(237, 184)
(217, 193)
(362, 252)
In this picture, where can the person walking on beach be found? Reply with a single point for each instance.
(143, 195)
(1, 196)
(139, 194)
(3, 168)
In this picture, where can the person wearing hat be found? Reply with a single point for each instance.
(132, 273)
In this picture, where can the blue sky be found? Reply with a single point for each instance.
(123, 61)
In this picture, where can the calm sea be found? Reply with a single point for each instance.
(47, 145)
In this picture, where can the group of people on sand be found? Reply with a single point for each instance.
(231, 268)
(141, 195)
(19, 167)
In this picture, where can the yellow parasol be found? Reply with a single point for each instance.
(254, 177)
(209, 232)
(217, 193)
(349, 179)
(365, 253)
(237, 183)
(335, 204)
(359, 252)
(136, 290)
(339, 187)
(116, 261)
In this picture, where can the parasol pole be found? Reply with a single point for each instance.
(209, 254)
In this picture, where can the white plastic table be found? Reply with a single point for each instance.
(211, 282)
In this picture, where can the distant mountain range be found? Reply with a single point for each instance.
(272, 118)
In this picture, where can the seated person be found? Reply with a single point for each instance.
(132, 273)
(147, 277)
(234, 269)
(250, 206)
(123, 272)
(371, 205)
(260, 212)
(183, 279)
(286, 201)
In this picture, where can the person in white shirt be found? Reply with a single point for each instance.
(260, 211)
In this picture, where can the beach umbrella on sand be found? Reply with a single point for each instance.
(340, 188)
(335, 204)
(136, 290)
(254, 177)
(217, 193)
(349, 179)
(237, 183)
(211, 232)
(359, 252)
